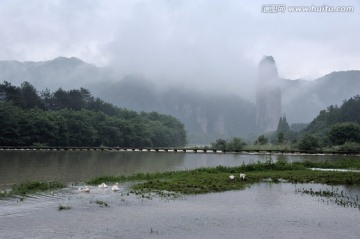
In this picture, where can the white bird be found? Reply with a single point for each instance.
(103, 185)
(232, 177)
(242, 176)
(85, 189)
(115, 187)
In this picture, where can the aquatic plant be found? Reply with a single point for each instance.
(102, 203)
(341, 198)
(62, 207)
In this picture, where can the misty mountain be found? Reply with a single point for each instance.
(62, 72)
(207, 116)
(302, 100)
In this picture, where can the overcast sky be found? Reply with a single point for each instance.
(183, 40)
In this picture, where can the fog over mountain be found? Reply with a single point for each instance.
(206, 115)
(214, 45)
(162, 55)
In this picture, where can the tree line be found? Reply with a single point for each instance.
(336, 128)
(76, 118)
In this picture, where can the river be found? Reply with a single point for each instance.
(264, 210)
(18, 166)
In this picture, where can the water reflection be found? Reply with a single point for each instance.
(75, 166)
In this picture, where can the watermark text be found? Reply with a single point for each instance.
(283, 8)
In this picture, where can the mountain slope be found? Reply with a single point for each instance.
(302, 100)
(206, 116)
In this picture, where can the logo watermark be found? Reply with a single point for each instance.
(283, 8)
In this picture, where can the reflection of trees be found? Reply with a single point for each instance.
(75, 166)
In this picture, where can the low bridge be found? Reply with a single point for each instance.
(177, 150)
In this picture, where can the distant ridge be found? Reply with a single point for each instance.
(302, 100)
(206, 116)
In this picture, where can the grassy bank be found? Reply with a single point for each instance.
(205, 180)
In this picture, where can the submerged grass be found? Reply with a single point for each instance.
(341, 198)
(206, 180)
(31, 187)
(102, 203)
(63, 207)
(340, 164)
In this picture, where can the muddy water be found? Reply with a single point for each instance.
(74, 166)
(265, 210)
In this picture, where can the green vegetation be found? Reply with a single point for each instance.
(76, 118)
(308, 142)
(341, 198)
(261, 140)
(235, 144)
(101, 203)
(334, 129)
(31, 187)
(337, 125)
(62, 207)
(340, 133)
(205, 180)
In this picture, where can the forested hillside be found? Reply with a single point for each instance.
(338, 125)
(76, 118)
(206, 115)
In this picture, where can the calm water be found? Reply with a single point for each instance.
(265, 210)
(76, 166)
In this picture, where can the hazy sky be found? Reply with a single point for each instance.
(210, 41)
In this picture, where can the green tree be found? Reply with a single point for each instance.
(13, 93)
(75, 118)
(235, 144)
(261, 140)
(30, 97)
(220, 144)
(280, 137)
(9, 121)
(344, 132)
(283, 125)
(308, 142)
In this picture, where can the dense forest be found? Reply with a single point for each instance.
(334, 128)
(76, 118)
(336, 125)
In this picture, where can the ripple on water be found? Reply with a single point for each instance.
(265, 210)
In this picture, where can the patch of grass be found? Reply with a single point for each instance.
(62, 207)
(101, 203)
(206, 180)
(34, 187)
(341, 164)
(31, 187)
(105, 179)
